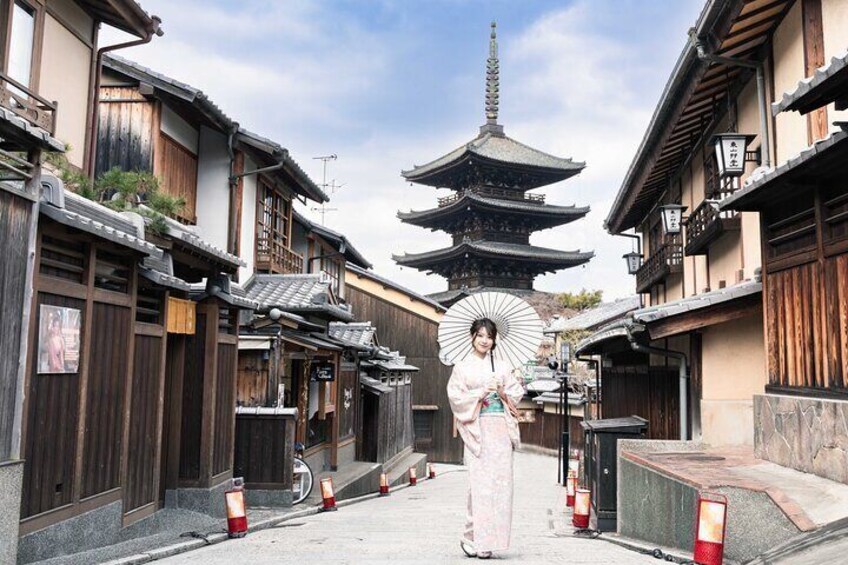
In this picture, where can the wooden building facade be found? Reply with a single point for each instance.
(408, 322)
(803, 205)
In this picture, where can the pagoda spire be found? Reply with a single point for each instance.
(492, 86)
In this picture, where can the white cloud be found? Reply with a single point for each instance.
(300, 73)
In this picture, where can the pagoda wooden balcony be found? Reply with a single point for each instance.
(706, 224)
(272, 256)
(18, 99)
(492, 192)
(667, 260)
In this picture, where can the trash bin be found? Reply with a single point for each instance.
(600, 462)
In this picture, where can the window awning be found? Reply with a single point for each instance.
(828, 84)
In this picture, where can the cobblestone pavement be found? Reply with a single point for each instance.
(422, 525)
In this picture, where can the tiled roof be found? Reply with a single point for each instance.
(697, 302)
(392, 361)
(594, 317)
(754, 185)
(809, 90)
(199, 292)
(161, 272)
(277, 151)
(357, 334)
(308, 340)
(91, 217)
(564, 213)
(26, 130)
(299, 293)
(498, 148)
(172, 86)
(517, 251)
(188, 236)
(392, 284)
(635, 321)
(342, 243)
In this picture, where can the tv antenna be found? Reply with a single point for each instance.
(323, 208)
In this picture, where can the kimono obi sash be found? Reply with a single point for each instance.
(492, 404)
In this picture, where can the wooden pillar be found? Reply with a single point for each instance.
(210, 365)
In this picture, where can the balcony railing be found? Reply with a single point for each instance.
(34, 109)
(667, 259)
(274, 257)
(706, 224)
(492, 192)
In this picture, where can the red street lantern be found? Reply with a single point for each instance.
(431, 470)
(236, 510)
(384, 485)
(328, 495)
(710, 526)
(581, 508)
(413, 478)
(570, 490)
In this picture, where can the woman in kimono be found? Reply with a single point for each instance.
(483, 393)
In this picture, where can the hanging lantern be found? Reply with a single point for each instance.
(413, 477)
(236, 510)
(730, 151)
(384, 485)
(710, 526)
(634, 261)
(431, 471)
(672, 217)
(570, 490)
(581, 508)
(328, 495)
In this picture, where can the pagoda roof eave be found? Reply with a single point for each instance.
(497, 250)
(497, 150)
(555, 215)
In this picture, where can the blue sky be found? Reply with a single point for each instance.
(387, 84)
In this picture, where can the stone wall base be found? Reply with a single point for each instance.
(11, 477)
(807, 434)
(208, 501)
(658, 509)
(90, 530)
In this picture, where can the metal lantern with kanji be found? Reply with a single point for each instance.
(730, 151)
(672, 217)
(634, 262)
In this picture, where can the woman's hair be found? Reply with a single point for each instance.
(490, 326)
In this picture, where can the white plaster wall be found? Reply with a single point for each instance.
(733, 363)
(213, 198)
(64, 78)
(180, 130)
(248, 221)
(788, 50)
(725, 258)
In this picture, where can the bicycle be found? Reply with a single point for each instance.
(302, 478)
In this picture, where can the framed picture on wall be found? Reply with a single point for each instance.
(58, 339)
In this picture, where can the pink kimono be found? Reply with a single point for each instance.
(489, 441)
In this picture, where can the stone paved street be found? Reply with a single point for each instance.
(422, 525)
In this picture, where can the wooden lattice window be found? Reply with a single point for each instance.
(791, 227)
(148, 305)
(835, 214)
(177, 169)
(112, 272)
(63, 259)
(273, 227)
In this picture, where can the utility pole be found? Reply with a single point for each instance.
(323, 209)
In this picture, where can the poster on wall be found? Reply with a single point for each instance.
(323, 372)
(58, 339)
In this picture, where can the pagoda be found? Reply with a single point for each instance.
(491, 215)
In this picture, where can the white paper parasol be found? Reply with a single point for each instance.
(519, 328)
